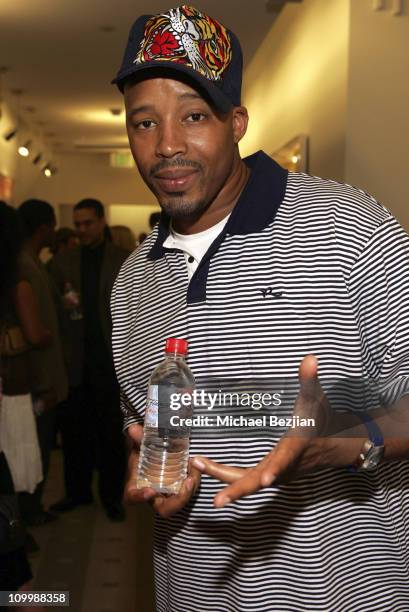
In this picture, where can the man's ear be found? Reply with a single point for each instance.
(240, 120)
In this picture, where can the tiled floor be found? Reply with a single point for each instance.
(107, 567)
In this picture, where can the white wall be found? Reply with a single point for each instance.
(377, 152)
(87, 175)
(135, 217)
(8, 150)
(297, 83)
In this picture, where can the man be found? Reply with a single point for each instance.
(46, 363)
(85, 276)
(264, 272)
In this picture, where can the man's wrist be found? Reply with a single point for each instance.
(372, 451)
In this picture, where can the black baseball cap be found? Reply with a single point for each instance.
(187, 42)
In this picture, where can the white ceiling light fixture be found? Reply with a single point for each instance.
(24, 150)
(47, 171)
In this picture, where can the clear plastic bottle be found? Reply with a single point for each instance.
(164, 450)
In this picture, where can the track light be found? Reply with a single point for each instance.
(47, 171)
(37, 159)
(11, 134)
(24, 150)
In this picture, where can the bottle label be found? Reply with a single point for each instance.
(151, 414)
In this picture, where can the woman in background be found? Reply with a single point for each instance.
(18, 309)
(123, 237)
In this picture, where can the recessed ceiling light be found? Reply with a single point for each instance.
(116, 111)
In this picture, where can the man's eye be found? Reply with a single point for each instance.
(144, 125)
(195, 117)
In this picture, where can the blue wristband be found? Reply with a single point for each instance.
(375, 434)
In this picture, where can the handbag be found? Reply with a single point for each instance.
(13, 342)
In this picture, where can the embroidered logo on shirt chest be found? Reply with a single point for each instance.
(269, 292)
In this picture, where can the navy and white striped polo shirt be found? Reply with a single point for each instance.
(303, 265)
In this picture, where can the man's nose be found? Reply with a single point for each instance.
(171, 140)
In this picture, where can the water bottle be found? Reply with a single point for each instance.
(164, 452)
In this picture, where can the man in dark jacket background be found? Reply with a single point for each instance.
(91, 425)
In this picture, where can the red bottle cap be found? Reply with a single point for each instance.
(176, 345)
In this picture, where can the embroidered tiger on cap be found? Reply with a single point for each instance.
(187, 36)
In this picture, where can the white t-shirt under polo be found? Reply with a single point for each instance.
(194, 246)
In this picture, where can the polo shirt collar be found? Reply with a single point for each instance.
(256, 207)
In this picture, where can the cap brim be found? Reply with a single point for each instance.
(216, 95)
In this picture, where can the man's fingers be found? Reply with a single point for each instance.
(135, 433)
(246, 485)
(282, 460)
(308, 377)
(133, 495)
(194, 475)
(224, 473)
(308, 368)
(166, 506)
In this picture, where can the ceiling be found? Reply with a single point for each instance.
(63, 58)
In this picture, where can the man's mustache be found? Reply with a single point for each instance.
(176, 163)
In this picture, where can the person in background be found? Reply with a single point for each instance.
(90, 423)
(47, 367)
(20, 331)
(65, 239)
(123, 237)
(17, 307)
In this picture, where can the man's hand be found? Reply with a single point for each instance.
(165, 506)
(296, 453)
